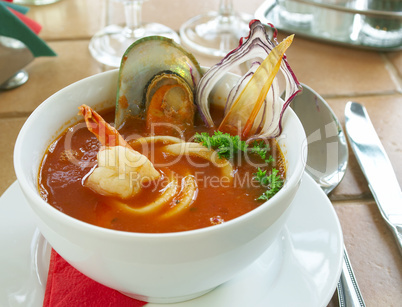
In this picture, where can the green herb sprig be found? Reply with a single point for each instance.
(228, 145)
(262, 149)
(225, 144)
(272, 182)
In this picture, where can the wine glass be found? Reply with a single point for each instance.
(109, 44)
(215, 33)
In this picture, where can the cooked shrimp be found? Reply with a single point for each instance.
(105, 133)
(121, 170)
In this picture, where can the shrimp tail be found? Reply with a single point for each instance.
(105, 133)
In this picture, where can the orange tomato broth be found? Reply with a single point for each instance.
(63, 171)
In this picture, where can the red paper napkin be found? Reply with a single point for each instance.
(66, 287)
(33, 25)
(20, 11)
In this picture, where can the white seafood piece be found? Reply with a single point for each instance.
(167, 195)
(120, 172)
(184, 198)
(196, 149)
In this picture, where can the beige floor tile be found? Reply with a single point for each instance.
(386, 115)
(339, 71)
(378, 270)
(84, 19)
(87, 17)
(10, 129)
(396, 60)
(334, 301)
(73, 60)
(183, 10)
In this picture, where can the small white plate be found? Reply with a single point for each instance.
(301, 268)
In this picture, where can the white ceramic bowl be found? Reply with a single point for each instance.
(167, 267)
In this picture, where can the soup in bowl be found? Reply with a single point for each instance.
(156, 267)
(202, 206)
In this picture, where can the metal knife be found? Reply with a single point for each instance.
(376, 166)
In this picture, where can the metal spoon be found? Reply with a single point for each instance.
(326, 164)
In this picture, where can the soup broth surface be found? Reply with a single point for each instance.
(71, 157)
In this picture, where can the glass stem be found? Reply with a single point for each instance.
(133, 13)
(226, 7)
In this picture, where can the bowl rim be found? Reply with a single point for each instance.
(98, 230)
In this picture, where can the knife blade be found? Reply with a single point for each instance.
(376, 166)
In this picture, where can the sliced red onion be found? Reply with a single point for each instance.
(255, 47)
(239, 86)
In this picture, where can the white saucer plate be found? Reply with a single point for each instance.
(301, 268)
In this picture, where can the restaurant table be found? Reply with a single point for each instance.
(337, 73)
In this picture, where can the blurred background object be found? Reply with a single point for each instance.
(14, 56)
(383, 29)
(19, 44)
(294, 13)
(124, 26)
(368, 24)
(35, 2)
(215, 33)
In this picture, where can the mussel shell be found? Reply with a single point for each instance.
(142, 61)
(166, 78)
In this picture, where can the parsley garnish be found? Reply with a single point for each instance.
(272, 182)
(228, 145)
(270, 159)
(225, 144)
(260, 148)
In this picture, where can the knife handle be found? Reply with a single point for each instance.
(348, 290)
(395, 228)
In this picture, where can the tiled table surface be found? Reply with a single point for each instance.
(339, 74)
